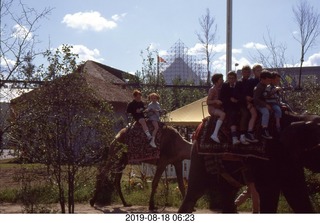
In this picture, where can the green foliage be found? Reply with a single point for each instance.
(306, 99)
(313, 184)
(9, 195)
(34, 191)
(61, 62)
(63, 124)
(38, 192)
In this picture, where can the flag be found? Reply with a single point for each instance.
(161, 60)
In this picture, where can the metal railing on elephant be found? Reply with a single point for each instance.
(204, 104)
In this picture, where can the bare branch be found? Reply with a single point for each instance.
(274, 56)
(307, 20)
(207, 38)
(18, 41)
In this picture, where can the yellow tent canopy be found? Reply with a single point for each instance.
(189, 115)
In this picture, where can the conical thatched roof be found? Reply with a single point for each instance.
(108, 82)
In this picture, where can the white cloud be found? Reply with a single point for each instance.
(88, 20)
(85, 53)
(153, 46)
(6, 62)
(163, 53)
(241, 62)
(253, 45)
(236, 51)
(6, 65)
(118, 17)
(198, 49)
(21, 32)
(313, 60)
(219, 65)
(220, 48)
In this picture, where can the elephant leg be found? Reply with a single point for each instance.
(267, 183)
(222, 195)
(294, 189)
(178, 167)
(160, 168)
(198, 182)
(117, 182)
(100, 188)
(298, 200)
(269, 198)
(95, 195)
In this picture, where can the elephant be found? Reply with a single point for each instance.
(173, 150)
(295, 147)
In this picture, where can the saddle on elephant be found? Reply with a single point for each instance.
(206, 146)
(139, 149)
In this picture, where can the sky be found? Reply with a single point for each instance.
(114, 32)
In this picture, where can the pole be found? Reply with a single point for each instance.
(158, 72)
(229, 36)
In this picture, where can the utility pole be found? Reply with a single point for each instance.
(229, 36)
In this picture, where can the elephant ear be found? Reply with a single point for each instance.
(311, 158)
(300, 136)
(291, 135)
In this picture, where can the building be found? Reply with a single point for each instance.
(290, 75)
(107, 83)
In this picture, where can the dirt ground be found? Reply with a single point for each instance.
(7, 208)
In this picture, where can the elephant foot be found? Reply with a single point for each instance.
(127, 205)
(187, 207)
(153, 208)
(92, 201)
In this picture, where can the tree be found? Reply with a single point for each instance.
(17, 48)
(308, 21)
(63, 125)
(18, 35)
(273, 56)
(207, 38)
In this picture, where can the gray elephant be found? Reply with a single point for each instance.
(296, 147)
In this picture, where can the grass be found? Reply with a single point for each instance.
(135, 190)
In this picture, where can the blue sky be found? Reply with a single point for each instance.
(114, 32)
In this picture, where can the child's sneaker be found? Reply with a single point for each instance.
(265, 134)
(243, 140)
(152, 144)
(250, 137)
(235, 140)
